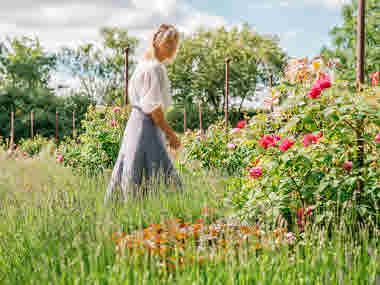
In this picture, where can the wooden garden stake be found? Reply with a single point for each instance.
(200, 119)
(227, 92)
(184, 119)
(360, 43)
(126, 76)
(74, 130)
(12, 131)
(56, 126)
(32, 124)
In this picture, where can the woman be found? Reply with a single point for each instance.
(143, 158)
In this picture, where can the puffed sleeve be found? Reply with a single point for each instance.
(153, 97)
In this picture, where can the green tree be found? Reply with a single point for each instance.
(25, 64)
(344, 39)
(101, 69)
(198, 74)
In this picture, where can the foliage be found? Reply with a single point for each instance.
(326, 157)
(209, 116)
(32, 146)
(198, 73)
(344, 39)
(25, 64)
(96, 149)
(212, 150)
(101, 69)
(44, 104)
(55, 229)
(317, 152)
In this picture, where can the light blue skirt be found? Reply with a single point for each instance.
(143, 158)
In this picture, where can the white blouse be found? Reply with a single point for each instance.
(149, 86)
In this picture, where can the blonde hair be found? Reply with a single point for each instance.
(163, 35)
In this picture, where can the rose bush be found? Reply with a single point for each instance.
(317, 154)
(327, 157)
(96, 149)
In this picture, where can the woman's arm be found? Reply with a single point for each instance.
(158, 118)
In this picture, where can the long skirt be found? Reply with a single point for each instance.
(143, 158)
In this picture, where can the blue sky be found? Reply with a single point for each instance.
(302, 25)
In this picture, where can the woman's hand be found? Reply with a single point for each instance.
(174, 141)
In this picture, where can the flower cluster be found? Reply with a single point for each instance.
(241, 124)
(286, 144)
(170, 240)
(310, 139)
(269, 140)
(375, 78)
(323, 82)
(256, 172)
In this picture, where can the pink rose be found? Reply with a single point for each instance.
(347, 165)
(113, 123)
(378, 138)
(269, 140)
(286, 144)
(116, 109)
(234, 131)
(231, 146)
(309, 139)
(60, 158)
(241, 124)
(314, 92)
(256, 172)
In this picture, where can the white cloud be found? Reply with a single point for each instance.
(71, 22)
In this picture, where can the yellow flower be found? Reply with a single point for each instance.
(316, 65)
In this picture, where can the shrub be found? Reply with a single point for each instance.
(96, 149)
(209, 117)
(32, 146)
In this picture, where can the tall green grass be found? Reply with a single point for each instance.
(55, 230)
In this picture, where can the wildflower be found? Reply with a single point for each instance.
(60, 158)
(316, 65)
(113, 123)
(378, 138)
(375, 76)
(286, 144)
(231, 146)
(324, 81)
(116, 109)
(347, 165)
(256, 172)
(314, 92)
(241, 124)
(290, 237)
(234, 131)
(309, 139)
(269, 140)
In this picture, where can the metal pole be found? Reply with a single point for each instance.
(227, 91)
(32, 124)
(56, 126)
(12, 131)
(126, 76)
(360, 43)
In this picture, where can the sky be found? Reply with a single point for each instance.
(302, 25)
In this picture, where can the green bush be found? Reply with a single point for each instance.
(96, 149)
(32, 146)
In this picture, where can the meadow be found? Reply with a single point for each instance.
(55, 230)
